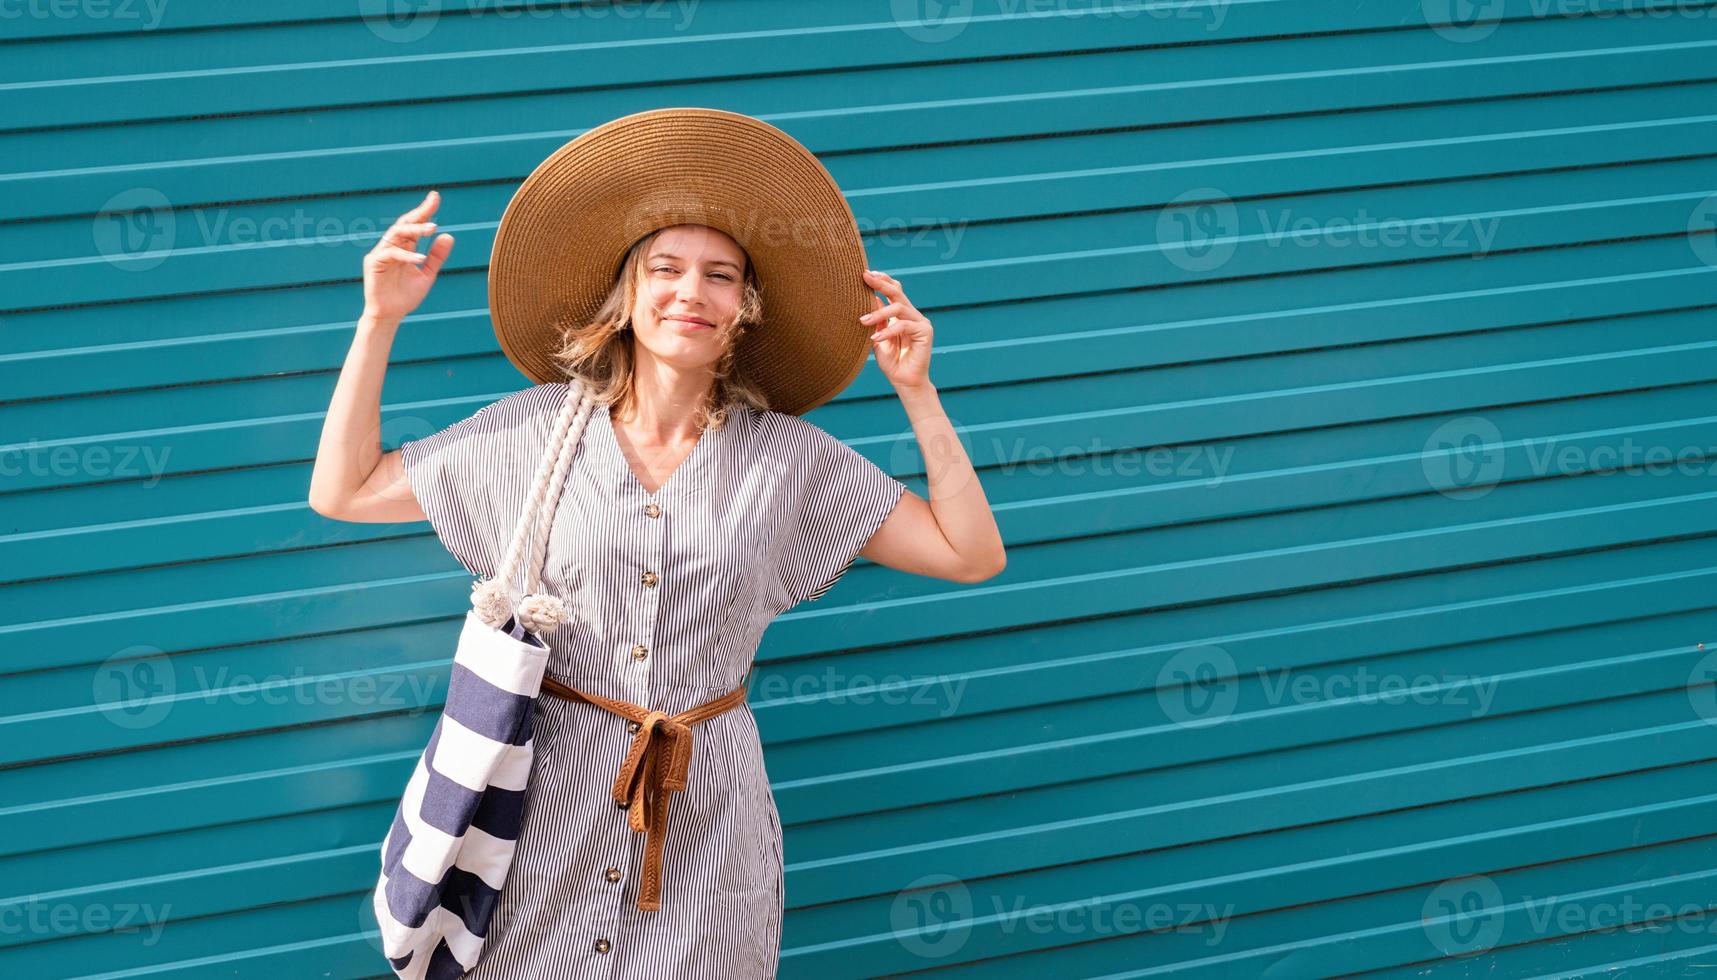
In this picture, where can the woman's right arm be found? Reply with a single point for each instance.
(353, 480)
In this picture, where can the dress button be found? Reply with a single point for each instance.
(650, 579)
(633, 727)
(602, 945)
(612, 874)
(652, 509)
(639, 652)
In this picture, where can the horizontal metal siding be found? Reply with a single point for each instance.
(1026, 176)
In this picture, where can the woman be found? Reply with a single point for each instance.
(695, 511)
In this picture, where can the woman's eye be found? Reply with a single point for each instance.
(671, 270)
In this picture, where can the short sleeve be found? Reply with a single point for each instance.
(840, 498)
(455, 475)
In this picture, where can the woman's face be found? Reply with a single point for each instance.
(694, 279)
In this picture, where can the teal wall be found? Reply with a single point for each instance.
(1297, 343)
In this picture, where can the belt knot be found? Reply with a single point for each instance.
(656, 766)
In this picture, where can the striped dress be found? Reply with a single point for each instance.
(767, 511)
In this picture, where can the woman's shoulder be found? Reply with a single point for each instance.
(517, 417)
(799, 445)
(535, 406)
(790, 430)
(546, 397)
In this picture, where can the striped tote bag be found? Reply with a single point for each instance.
(445, 858)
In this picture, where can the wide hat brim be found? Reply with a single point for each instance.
(561, 240)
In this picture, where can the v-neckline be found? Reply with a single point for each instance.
(626, 465)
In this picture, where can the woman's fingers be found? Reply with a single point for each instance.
(402, 254)
(882, 313)
(438, 252)
(424, 209)
(887, 285)
(406, 229)
(899, 306)
(406, 233)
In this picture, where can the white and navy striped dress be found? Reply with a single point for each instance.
(766, 511)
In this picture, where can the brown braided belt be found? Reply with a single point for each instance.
(652, 771)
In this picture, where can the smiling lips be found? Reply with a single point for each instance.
(693, 321)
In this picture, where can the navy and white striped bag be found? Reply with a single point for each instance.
(445, 858)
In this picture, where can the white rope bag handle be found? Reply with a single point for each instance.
(536, 612)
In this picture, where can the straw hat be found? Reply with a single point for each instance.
(563, 235)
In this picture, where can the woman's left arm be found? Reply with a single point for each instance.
(953, 535)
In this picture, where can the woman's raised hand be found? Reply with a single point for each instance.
(902, 335)
(396, 275)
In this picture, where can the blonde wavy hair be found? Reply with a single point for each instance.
(600, 351)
